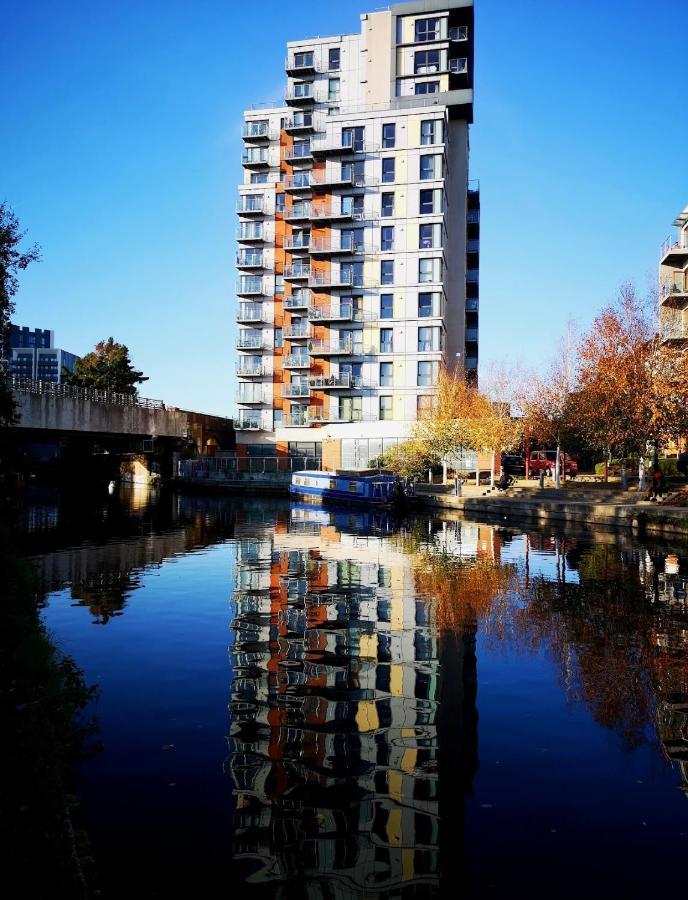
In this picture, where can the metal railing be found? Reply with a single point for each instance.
(342, 313)
(19, 385)
(326, 347)
(298, 301)
(250, 371)
(296, 361)
(296, 331)
(300, 242)
(255, 130)
(297, 272)
(296, 391)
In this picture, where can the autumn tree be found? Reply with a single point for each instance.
(107, 368)
(13, 260)
(499, 428)
(410, 459)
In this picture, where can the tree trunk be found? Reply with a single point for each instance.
(655, 455)
(492, 470)
(557, 472)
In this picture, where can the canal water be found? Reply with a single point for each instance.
(300, 703)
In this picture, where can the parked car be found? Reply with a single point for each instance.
(546, 461)
(514, 465)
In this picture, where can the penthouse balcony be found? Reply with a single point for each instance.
(296, 361)
(341, 279)
(297, 332)
(249, 259)
(297, 273)
(337, 147)
(348, 246)
(250, 206)
(301, 241)
(250, 342)
(337, 312)
(250, 287)
(675, 254)
(256, 132)
(298, 153)
(298, 300)
(296, 391)
(303, 123)
(300, 93)
(299, 212)
(247, 369)
(300, 63)
(343, 347)
(250, 312)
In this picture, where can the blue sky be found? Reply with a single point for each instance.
(120, 151)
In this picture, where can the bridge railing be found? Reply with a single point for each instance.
(20, 385)
(268, 467)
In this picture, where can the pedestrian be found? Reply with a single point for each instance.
(658, 485)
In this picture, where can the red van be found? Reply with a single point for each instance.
(546, 461)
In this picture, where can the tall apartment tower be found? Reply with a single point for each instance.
(673, 284)
(359, 235)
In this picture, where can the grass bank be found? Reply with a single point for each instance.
(45, 733)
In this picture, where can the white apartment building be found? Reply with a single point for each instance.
(358, 235)
(673, 284)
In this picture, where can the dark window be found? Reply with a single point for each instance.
(389, 135)
(425, 62)
(424, 306)
(387, 237)
(387, 170)
(386, 340)
(388, 204)
(426, 202)
(426, 237)
(386, 306)
(386, 374)
(427, 29)
(387, 271)
(333, 59)
(427, 87)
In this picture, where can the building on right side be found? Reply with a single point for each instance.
(673, 284)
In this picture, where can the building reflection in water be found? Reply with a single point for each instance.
(354, 731)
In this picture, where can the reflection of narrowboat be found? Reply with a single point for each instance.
(368, 487)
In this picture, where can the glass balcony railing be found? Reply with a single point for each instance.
(255, 130)
(250, 205)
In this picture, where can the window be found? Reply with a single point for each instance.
(332, 110)
(423, 403)
(259, 177)
(387, 237)
(278, 338)
(389, 135)
(458, 65)
(333, 59)
(279, 284)
(430, 167)
(428, 372)
(387, 201)
(354, 171)
(425, 305)
(430, 201)
(425, 62)
(427, 30)
(280, 202)
(388, 170)
(387, 271)
(426, 237)
(429, 339)
(333, 89)
(278, 418)
(386, 374)
(429, 131)
(426, 87)
(386, 340)
(354, 138)
(386, 306)
(351, 239)
(429, 269)
(385, 407)
(303, 60)
(303, 89)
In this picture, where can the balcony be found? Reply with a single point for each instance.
(675, 295)
(329, 213)
(298, 154)
(333, 382)
(248, 423)
(253, 398)
(250, 235)
(250, 287)
(471, 334)
(674, 254)
(246, 369)
(298, 242)
(296, 391)
(339, 279)
(348, 246)
(297, 420)
(300, 300)
(298, 94)
(303, 124)
(301, 181)
(297, 273)
(328, 348)
(341, 312)
(299, 64)
(296, 332)
(247, 207)
(333, 178)
(249, 313)
(255, 158)
(252, 259)
(329, 147)
(296, 361)
(250, 342)
(299, 212)
(674, 332)
(256, 131)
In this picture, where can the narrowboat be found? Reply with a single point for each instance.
(368, 487)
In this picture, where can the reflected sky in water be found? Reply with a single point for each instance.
(305, 703)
